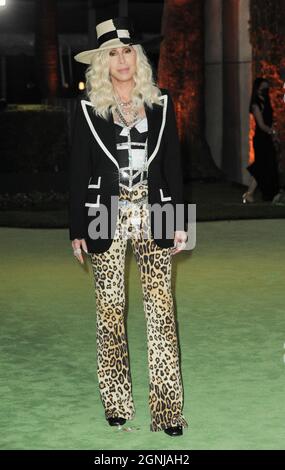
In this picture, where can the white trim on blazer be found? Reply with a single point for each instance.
(97, 185)
(164, 198)
(165, 99)
(94, 204)
(104, 148)
(83, 104)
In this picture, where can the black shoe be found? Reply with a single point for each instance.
(116, 421)
(174, 431)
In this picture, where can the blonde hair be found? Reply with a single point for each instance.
(99, 87)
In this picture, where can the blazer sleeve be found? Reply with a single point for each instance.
(79, 172)
(173, 162)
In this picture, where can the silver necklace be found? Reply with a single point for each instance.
(129, 125)
(123, 120)
(121, 113)
(126, 103)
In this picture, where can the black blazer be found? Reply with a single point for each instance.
(94, 172)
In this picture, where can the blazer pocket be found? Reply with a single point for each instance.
(94, 204)
(95, 185)
(93, 198)
(163, 197)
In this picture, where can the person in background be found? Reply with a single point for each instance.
(264, 169)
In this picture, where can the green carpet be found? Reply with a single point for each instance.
(229, 296)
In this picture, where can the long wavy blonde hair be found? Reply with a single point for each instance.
(100, 90)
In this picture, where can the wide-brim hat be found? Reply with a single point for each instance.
(115, 32)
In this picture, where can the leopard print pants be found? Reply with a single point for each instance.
(154, 262)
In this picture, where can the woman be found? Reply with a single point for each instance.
(125, 154)
(264, 169)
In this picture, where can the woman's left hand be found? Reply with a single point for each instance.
(180, 239)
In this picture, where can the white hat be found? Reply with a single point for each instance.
(116, 32)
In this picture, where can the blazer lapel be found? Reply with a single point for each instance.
(156, 122)
(104, 130)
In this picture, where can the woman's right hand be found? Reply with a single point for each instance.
(77, 244)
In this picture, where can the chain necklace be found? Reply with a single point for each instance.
(126, 103)
(121, 113)
(123, 120)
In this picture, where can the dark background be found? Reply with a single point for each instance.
(18, 23)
